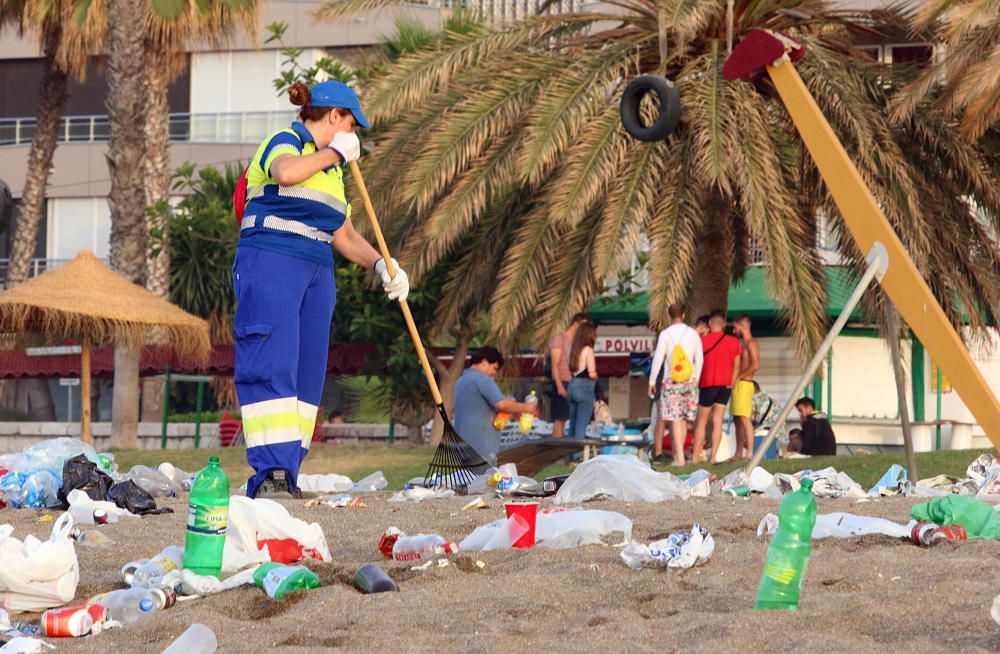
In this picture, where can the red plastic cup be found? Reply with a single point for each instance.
(529, 512)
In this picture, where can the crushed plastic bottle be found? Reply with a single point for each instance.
(151, 572)
(373, 482)
(278, 579)
(421, 546)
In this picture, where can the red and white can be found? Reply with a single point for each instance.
(67, 622)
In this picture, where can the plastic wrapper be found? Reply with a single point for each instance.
(187, 582)
(555, 529)
(620, 477)
(54, 453)
(681, 549)
(842, 525)
(25, 645)
(497, 535)
(890, 482)
(35, 488)
(421, 494)
(153, 482)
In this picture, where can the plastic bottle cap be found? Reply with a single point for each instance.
(807, 484)
(146, 604)
(213, 460)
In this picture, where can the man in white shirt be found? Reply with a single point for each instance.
(679, 395)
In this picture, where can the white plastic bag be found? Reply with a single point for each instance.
(82, 507)
(373, 482)
(329, 483)
(37, 575)
(418, 494)
(842, 525)
(154, 482)
(620, 477)
(256, 526)
(564, 529)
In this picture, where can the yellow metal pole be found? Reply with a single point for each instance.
(867, 224)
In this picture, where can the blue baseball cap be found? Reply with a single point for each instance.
(332, 93)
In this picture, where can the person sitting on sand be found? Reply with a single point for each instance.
(794, 441)
(478, 400)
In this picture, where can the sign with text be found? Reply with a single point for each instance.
(624, 344)
(69, 381)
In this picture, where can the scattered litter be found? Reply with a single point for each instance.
(700, 483)
(680, 549)
(373, 579)
(418, 494)
(555, 529)
(24, 645)
(423, 567)
(977, 517)
(91, 538)
(891, 481)
(373, 482)
(421, 546)
(620, 477)
(443, 563)
(154, 482)
(337, 502)
(188, 582)
(197, 639)
(324, 483)
(277, 579)
(262, 530)
(842, 525)
(47, 518)
(476, 502)
(480, 564)
(87, 511)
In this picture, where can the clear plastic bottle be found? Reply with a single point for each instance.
(129, 605)
(151, 572)
(528, 417)
(788, 555)
(421, 546)
(208, 516)
(198, 639)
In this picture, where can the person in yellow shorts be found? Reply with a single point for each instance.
(741, 405)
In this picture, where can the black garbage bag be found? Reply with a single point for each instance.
(130, 496)
(83, 474)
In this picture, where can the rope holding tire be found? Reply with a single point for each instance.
(669, 115)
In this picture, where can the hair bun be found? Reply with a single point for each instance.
(299, 94)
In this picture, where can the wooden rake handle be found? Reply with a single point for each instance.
(403, 305)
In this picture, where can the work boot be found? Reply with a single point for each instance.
(276, 486)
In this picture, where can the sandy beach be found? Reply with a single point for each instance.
(864, 594)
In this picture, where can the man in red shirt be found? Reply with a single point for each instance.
(718, 374)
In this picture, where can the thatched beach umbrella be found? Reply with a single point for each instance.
(87, 300)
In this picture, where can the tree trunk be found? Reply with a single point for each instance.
(158, 175)
(157, 195)
(125, 400)
(447, 377)
(713, 261)
(52, 97)
(127, 100)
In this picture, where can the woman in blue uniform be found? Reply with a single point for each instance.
(296, 215)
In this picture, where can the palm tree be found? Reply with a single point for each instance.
(63, 44)
(970, 30)
(504, 146)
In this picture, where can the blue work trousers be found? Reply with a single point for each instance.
(284, 306)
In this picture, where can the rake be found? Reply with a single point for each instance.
(455, 463)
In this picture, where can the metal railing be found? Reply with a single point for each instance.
(242, 127)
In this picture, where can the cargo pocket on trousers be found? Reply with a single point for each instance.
(253, 362)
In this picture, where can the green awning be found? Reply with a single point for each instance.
(750, 296)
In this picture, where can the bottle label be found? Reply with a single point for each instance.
(167, 563)
(204, 519)
(275, 578)
(780, 573)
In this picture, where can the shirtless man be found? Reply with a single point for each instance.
(741, 406)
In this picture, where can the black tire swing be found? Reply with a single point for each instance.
(669, 113)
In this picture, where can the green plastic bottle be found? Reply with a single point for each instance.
(278, 579)
(789, 552)
(208, 516)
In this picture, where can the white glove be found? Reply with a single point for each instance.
(347, 145)
(397, 287)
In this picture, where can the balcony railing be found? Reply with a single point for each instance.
(246, 127)
(38, 266)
